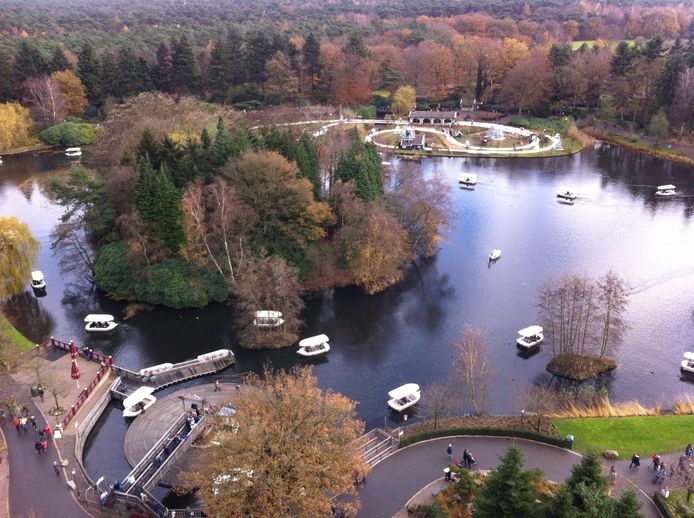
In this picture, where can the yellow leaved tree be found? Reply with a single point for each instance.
(73, 91)
(18, 251)
(15, 123)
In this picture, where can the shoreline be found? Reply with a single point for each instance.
(41, 147)
(638, 147)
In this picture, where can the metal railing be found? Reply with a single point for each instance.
(376, 445)
(103, 370)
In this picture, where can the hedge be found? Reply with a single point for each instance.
(662, 505)
(496, 432)
(68, 134)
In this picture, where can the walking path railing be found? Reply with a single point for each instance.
(376, 445)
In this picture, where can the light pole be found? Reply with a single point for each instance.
(522, 416)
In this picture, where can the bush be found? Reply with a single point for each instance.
(113, 272)
(68, 134)
(522, 434)
(367, 111)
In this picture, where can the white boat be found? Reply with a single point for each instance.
(99, 323)
(404, 396)
(666, 190)
(530, 337)
(73, 152)
(267, 318)
(138, 402)
(0, 160)
(687, 364)
(156, 369)
(494, 254)
(467, 179)
(314, 345)
(37, 280)
(566, 195)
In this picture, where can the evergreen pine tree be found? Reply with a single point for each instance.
(148, 148)
(162, 70)
(9, 87)
(362, 165)
(312, 58)
(258, 51)
(509, 491)
(587, 473)
(89, 74)
(236, 72)
(628, 505)
(670, 75)
(306, 156)
(29, 62)
(223, 144)
(109, 76)
(59, 62)
(183, 66)
(127, 83)
(144, 76)
(159, 203)
(218, 73)
(205, 140)
(243, 139)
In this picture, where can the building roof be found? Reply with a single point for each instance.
(417, 140)
(427, 114)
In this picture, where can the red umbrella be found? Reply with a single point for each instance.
(75, 370)
(73, 351)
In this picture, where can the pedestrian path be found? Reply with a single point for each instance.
(393, 481)
(35, 490)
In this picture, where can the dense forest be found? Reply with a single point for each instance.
(198, 197)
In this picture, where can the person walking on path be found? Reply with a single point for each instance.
(449, 450)
(635, 461)
(656, 461)
(32, 420)
(466, 457)
(23, 421)
(38, 447)
(613, 475)
(689, 451)
(47, 430)
(16, 422)
(56, 468)
(44, 445)
(217, 386)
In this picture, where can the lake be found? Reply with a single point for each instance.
(407, 333)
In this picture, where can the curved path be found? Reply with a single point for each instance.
(35, 490)
(397, 478)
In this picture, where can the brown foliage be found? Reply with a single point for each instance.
(72, 89)
(44, 96)
(294, 448)
(373, 244)
(527, 84)
(323, 271)
(267, 284)
(267, 183)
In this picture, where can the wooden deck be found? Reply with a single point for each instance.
(149, 427)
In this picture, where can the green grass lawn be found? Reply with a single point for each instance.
(645, 435)
(17, 338)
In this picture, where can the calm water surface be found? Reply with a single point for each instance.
(406, 334)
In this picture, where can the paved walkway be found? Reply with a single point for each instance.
(35, 490)
(393, 481)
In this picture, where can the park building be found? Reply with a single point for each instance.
(432, 117)
(410, 140)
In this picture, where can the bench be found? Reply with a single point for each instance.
(438, 490)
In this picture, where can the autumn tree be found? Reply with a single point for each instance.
(474, 369)
(72, 90)
(439, 402)
(15, 123)
(43, 95)
(659, 127)
(289, 216)
(403, 100)
(423, 206)
(538, 402)
(267, 283)
(372, 243)
(613, 299)
(527, 84)
(18, 252)
(294, 448)
(281, 83)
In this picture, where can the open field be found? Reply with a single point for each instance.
(642, 434)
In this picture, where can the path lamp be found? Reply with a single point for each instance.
(522, 416)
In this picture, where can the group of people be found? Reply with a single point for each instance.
(468, 460)
(22, 421)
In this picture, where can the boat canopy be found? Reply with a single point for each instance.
(99, 318)
(313, 340)
(689, 356)
(405, 390)
(73, 149)
(666, 187)
(530, 331)
(268, 314)
(137, 396)
(37, 276)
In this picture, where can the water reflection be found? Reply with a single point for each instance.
(27, 309)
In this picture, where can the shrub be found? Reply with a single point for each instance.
(68, 134)
(113, 272)
(169, 286)
(367, 111)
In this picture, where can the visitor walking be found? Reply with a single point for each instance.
(16, 422)
(38, 447)
(466, 457)
(635, 461)
(689, 451)
(47, 430)
(471, 460)
(32, 420)
(23, 421)
(56, 468)
(656, 461)
(44, 445)
(217, 386)
(449, 450)
(613, 476)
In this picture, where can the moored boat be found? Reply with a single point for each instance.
(687, 364)
(404, 396)
(73, 152)
(138, 402)
(530, 336)
(37, 280)
(267, 318)
(314, 345)
(99, 323)
(666, 190)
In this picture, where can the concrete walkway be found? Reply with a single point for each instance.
(393, 481)
(35, 490)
